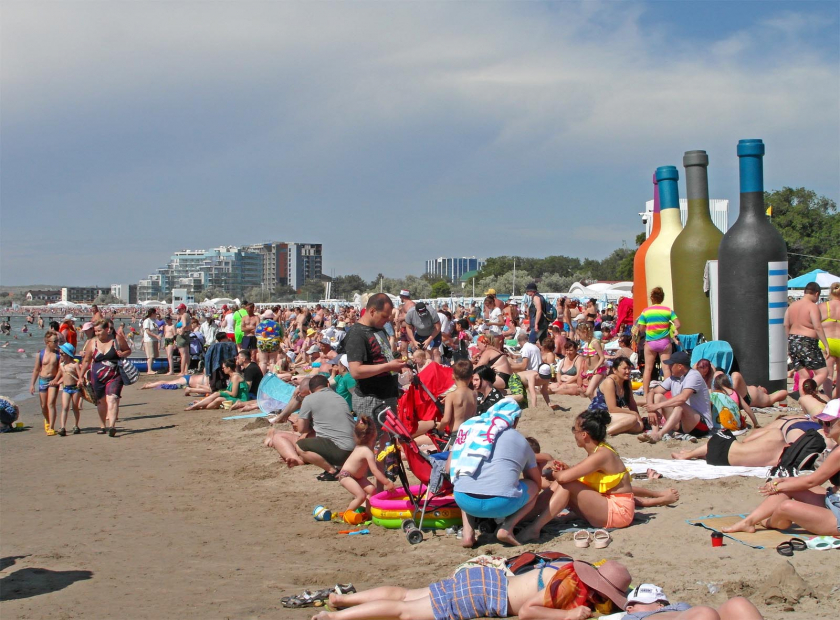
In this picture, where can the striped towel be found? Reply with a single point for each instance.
(476, 436)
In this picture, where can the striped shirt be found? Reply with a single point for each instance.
(657, 321)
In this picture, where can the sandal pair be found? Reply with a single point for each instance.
(600, 539)
(789, 546)
(327, 476)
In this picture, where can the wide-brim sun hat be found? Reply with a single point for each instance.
(268, 314)
(612, 579)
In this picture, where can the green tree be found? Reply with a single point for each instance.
(809, 224)
(313, 290)
(106, 298)
(441, 288)
(344, 287)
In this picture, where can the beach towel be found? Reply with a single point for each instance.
(726, 413)
(759, 539)
(718, 352)
(688, 342)
(476, 436)
(692, 470)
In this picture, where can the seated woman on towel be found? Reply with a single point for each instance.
(794, 500)
(597, 489)
(237, 390)
(615, 394)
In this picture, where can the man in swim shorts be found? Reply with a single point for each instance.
(249, 324)
(803, 326)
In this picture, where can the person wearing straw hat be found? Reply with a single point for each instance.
(577, 588)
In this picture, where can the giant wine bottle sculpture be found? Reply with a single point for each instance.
(658, 259)
(697, 243)
(752, 288)
(640, 291)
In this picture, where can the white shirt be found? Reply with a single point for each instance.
(209, 331)
(445, 323)
(152, 327)
(495, 317)
(532, 353)
(228, 322)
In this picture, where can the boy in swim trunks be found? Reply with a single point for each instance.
(46, 374)
(803, 326)
(485, 591)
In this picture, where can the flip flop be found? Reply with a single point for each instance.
(582, 539)
(602, 539)
(789, 546)
(327, 477)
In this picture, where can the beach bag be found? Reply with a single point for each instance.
(801, 455)
(725, 412)
(128, 371)
(527, 561)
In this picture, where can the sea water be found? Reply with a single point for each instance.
(16, 367)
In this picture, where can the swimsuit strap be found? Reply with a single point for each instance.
(828, 312)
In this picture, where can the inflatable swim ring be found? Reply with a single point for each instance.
(440, 513)
(395, 524)
(636, 384)
(397, 499)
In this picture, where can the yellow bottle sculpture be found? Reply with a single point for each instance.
(658, 259)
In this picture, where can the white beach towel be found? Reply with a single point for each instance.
(692, 470)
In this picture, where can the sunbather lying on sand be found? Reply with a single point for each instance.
(562, 590)
(648, 600)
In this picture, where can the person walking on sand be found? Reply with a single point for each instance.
(47, 375)
(805, 335)
(102, 358)
(151, 339)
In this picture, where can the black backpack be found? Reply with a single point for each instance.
(801, 455)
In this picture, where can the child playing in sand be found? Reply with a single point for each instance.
(461, 404)
(353, 474)
(71, 394)
(46, 373)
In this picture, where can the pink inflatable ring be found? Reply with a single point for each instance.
(398, 499)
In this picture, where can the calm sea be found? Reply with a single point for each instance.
(17, 359)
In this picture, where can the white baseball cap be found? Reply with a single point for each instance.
(646, 594)
(544, 371)
(831, 411)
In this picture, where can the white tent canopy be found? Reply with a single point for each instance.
(602, 291)
(65, 304)
(221, 301)
(152, 302)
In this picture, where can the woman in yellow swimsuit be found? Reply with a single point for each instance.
(597, 489)
(830, 313)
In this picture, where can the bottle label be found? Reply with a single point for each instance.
(777, 290)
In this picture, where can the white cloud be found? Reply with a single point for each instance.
(372, 108)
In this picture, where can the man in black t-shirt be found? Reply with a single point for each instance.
(250, 372)
(371, 360)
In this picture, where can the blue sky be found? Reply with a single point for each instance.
(390, 132)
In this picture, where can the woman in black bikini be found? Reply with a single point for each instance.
(615, 394)
(102, 359)
(490, 354)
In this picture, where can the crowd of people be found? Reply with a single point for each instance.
(638, 375)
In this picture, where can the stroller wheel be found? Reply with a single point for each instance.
(414, 536)
(408, 524)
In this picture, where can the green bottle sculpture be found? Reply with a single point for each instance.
(658, 258)
(697, 243)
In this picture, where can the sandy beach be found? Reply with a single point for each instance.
(183, 515)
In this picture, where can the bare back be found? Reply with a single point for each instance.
(803, 317)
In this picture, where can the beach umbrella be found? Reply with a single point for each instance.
(820, 276)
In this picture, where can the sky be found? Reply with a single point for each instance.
(390, 132)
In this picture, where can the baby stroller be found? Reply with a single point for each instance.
(430, 469)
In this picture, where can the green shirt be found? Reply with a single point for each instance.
(343, 384)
